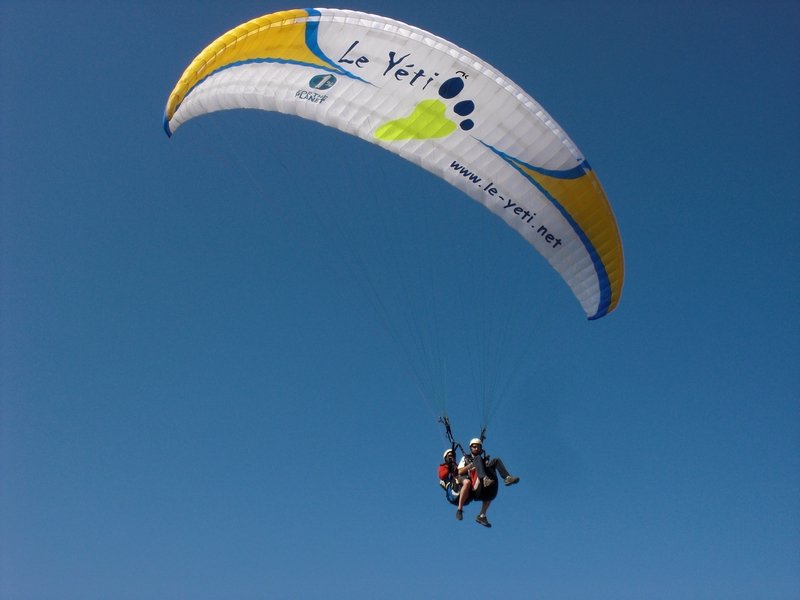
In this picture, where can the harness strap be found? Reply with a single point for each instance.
(449, 433)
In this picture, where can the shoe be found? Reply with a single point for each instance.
(483, 520)
(459, 515)
(511, 480)
(488, 481)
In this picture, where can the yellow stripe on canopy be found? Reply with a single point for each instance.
(279, 36)
(586, 203)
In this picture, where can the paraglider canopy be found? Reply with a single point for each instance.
(433, 103)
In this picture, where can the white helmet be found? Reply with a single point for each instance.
(474, 441)
(448, 451)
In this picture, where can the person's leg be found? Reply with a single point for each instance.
(463, 495)
(497, 463)
(481, 518)
(484, 476)
(490, 476)
(478, 463)
(507, 477)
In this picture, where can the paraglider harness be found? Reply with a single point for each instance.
(451, 485)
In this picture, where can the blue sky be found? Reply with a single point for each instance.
(197, 399)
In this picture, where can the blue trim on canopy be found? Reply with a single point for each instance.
(312, 42)
(574, 173)
(165, 122)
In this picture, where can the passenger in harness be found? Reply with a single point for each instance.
(457, 488)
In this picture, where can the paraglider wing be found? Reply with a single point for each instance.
(432, 103)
